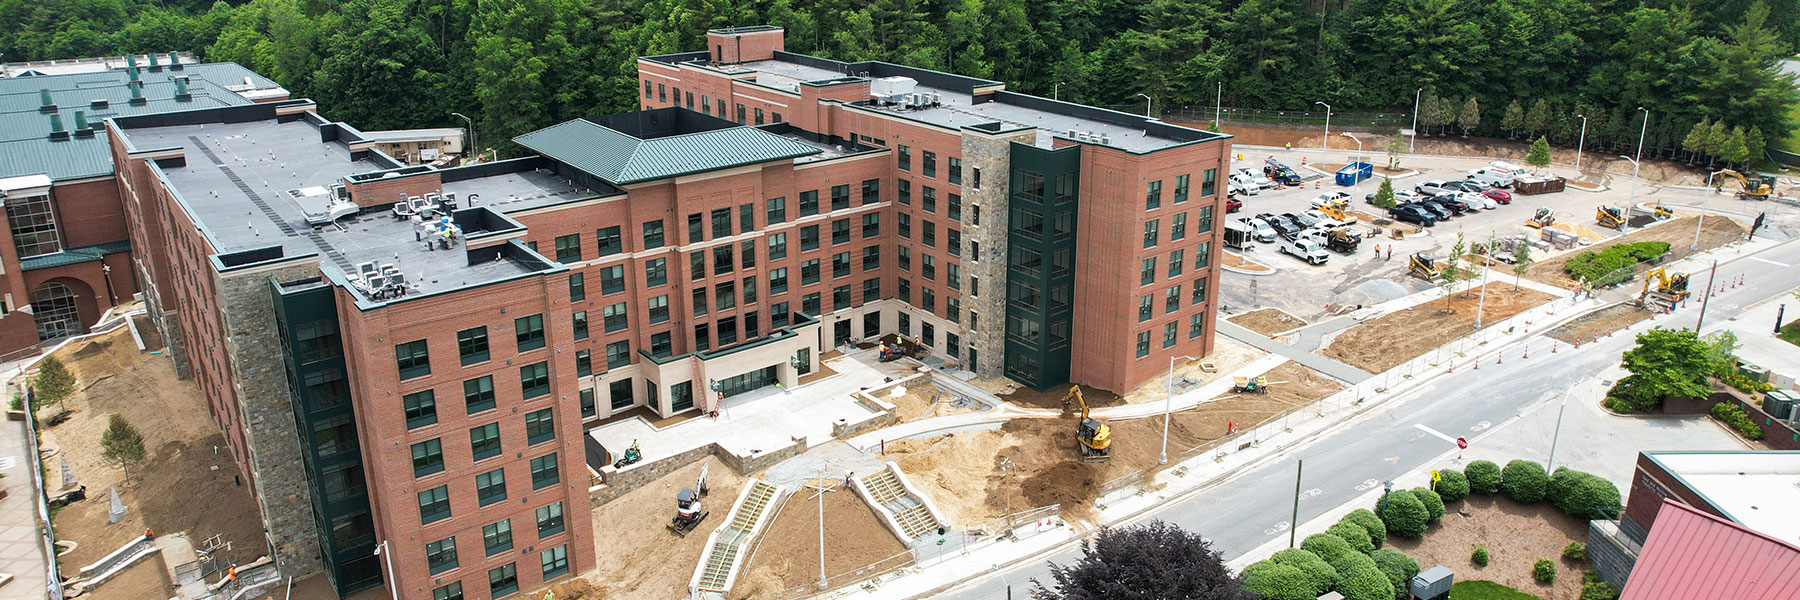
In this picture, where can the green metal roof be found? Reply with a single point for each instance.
(72, 256)
(618, 158)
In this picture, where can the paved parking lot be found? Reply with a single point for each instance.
(1305, 290)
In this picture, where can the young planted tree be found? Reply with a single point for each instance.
(121, 443)
(1521, 261)
(1384, 195)
(1513, 119)
(1734, 150)
(53, 382)
(1396, 146)
(1150, 561)
(1539, 156)
(1469, 116)
(1537, 121)
(1696, 141)
(1755, 143)
(1451, 272)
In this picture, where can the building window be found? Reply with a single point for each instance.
(1169, 335)
(777, 210)
(871, 258)
(1144, 303)
(777, 246)
(905, 291)
(778, 280)
(612, 279)
(929, 164)
(646, 90)
(1181, 188)
(440, 555)
(953, 276)
(659, 309)
(840, 197)
(1031, 186)
(928, 267)
(871, 289)
(697, 265)
(905, 226)
(414, 359)
(809, 271)
(1209, 182)
(778, 315)
(809, 203)
(953, 241)
(490, 487)
(660, 345)
(529, 332)
(577, 287)
(904, 156)
(725, 296)
(1175, 262)
(568, 248)
(421, 409)
(1204, 223)
(618, 354)
(653, 234)
(809, 303)
(1143, 344)
(589, 407)
(534, 380)
(928, 198)
(427, 457)
(955, 170)
(478, 394)
(543, 468)
(1196, 325)
(871, 191)
(556, 560)
(504, 579)
(1172, 299)
(613, 315)
(904, 187)
(1150, 233)
(434, 504)
(809, 238)
(721, 222)
(656, 272)
(840, 264)
(453, 590)
(975, 182)
(1203, 256)
(1153, 195)
(840, 297)
(550, 519)
(496, 537)
(871, 225)
(1199, 294)
(584, 363)
(759, 116)
(740, 114)
(33, 225)
(484, 441)
(1147, 273)
(1027, 223)
(840, 231)
(955, 210)
(580, 322)
(702, 337)
(696, 228)
(929, 237)
(1178, 227)
(905, 254)
(540, 426)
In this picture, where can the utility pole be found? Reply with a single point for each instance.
(1218, 105)
(1711, 275)
(1294, 521)
(1780, 311)
(1415, 128)
(1482, 303)
(1325, 144)
(1580, 144)
(1168, 400)
(1550, 464)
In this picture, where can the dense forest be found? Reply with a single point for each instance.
(1496, 67)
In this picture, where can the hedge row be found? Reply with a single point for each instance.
(1612, 263)
(1730, 414)
(1581, 495)
(1344, 559)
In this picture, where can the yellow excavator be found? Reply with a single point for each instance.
(1670, 290)
(1757, 189)
(1610, 216)
(1423, 267)
(1092, 437)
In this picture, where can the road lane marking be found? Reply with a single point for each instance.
(1479, 426)
(1435, 432)
(1761, 259)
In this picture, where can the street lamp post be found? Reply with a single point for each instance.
(469, 132)
(1168, 402)
(1556, 433)
(1415, 127)
(1326, 143)
(1632, 203)
(1218, 105)
(1580, 144)
(1056, 90)
(1146, 104)
(1356, 175)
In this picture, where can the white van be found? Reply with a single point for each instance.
(1505, 167)
(1493, 177)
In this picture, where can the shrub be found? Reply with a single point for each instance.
(1365, 581)
(1275, 581)
(1399, 569)
(1582, 495)
(1404, 514)
(1524, 481)
(1327, 546)
(1480, 557)
(1377, 530)
(1434, 505)
(1543, 571)
(1595, 588)
(1729, 414)
(1319, 575)
(1451, 485)
(1743, 382)
(1484, 477)
(1354, 535)
(1610, 265)
(1575, 551)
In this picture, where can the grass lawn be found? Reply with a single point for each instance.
(1790, 332)
(1486, 590)
(1792, 143)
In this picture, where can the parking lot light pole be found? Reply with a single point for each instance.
(1056, 91)
(1355, 176)
(1168, 401)
(1579, 144)
(1415, 127)
(474, 145)
(1146, 104)
(1325, 144)
(1632, 203)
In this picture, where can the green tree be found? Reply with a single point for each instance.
(1524, 481)
(1148, 561)
(53, 382)
(1755, 143)
(1484, 477)
(1275, 581)
(1377, 531)
(1320, 577)
(1404, 514)
(1537, 121)
(1395, 147)
(1470, 115)
(1384, 195)
(1734, 150)
(122, 444)
(1354, 535)
(1513, 119)
(1450, 271)
(1327, 546)
(1522, 260)
(1362, 579)
(1667, 363)
(1718, 139)
(1539, 156)
(1698, 140)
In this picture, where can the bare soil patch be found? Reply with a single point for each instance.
(1392, 339)
(146, 580)
(923, 401)
(1268, 321)
(1385, 223)
(1027, 463)
(188, 483)
(640, 558)
(1679, 233)
(1227, 356)
(1237, 261)
(1591, 326)
(786, 555)
(1052, 397)
(818, 373)
(1516, 536)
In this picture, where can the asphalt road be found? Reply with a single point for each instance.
(1249, 510)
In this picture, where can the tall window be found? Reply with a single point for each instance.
(413, 358)
(484, 441)
(1209, 182)
(421, 408)
(1153, 195)
(568, 248)
(529, 332)
(653, 234)
(33, 226)
(1181, 188)
(777, 210)
(534, 380)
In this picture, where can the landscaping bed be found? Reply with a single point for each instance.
(1268, 321)
(922, 401)
(1237, 261)
(1392, 339)
(1678, 233)
(1594, 325)
(786, 554)
(637, 556)
(1515, 535)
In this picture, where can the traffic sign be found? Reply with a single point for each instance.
(1462, 444)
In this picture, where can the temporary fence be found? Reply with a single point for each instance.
(1120, 488)
(1195, 113)
(867, 572)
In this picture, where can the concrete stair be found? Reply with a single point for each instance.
(726, 545)
(905, 511)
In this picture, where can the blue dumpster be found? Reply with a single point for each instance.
(1354, 173)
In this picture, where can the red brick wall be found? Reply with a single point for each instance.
(1649, 486)
(89, 212)
(390, 190)
(744, 47)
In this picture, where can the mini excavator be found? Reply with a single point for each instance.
(1092, 437)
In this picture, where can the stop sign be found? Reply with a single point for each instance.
(1462, 444)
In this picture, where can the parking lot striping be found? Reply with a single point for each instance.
(1435, 432)
(1761, 259)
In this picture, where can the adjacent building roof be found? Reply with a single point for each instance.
(413, 135)
(620, 158)
(1692, 555)
(1759, 489)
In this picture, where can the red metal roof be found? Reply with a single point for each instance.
(1691, 555)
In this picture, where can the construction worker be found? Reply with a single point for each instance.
(1390, 252)
(848, 475)
(1378, 251)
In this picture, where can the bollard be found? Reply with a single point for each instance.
(1553, 347)
(1498, 360)
(1527, 352)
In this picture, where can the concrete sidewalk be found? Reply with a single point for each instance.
(21, 542)
(1302, 355)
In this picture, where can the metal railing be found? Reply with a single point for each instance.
(1196, 113)
(833, 582)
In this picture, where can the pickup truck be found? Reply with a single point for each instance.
(1303, 248)
(1335, 239)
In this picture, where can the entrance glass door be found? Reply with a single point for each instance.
(805, 358)
(732, 386)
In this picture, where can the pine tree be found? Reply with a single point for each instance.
(1521, 261)
(1513, 119)
(1755, 143)
(1695, 142)
(1538, 120)
(1470, 116)
(122, 444)
(1540, 153)
(1384, 195)
(1734, 149)
(53, 382)
(1716, 139)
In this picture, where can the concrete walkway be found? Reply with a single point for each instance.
(21, 545)
(1299, 354)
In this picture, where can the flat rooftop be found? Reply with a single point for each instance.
(247, 183)
(521, 190)
(957, 108)
(1759, 489)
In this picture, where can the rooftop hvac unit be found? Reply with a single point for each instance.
(889, 87)
(1074, 134)
(1105, 140)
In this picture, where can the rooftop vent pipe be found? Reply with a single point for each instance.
(46, 104)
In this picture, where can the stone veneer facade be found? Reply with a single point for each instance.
(992, 154)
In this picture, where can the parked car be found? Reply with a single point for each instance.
(1433, 187)
(1493, 177)
(1281, 224)
(1499, 195)
(1259, 179)
(1233, 205)
(1321, 219)
(1477, 200)
(1303, 249)
(1259, 229)
(1400, 197)
(1455, 208)
(1442, 213)
(1469, 185)
(1456, 202)
(1244, 185)
(1306, 221)
(1332, 196)
(1413, 213)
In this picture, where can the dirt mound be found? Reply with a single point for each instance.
(634, 526)
(1392, 339)
(954, 470)
(1268, 321)
(787, 552)
(1591, 326)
